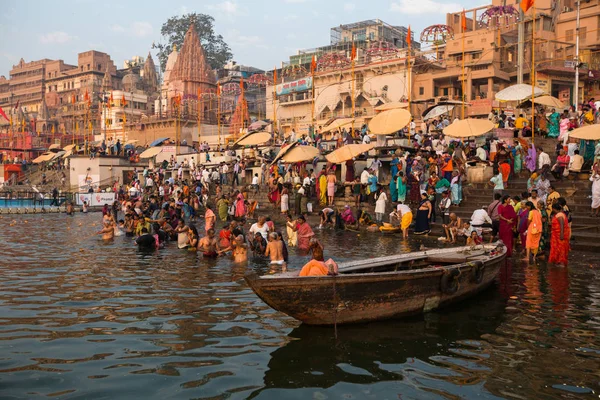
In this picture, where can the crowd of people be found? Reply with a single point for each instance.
(419, 188)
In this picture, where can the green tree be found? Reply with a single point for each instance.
(217, 51)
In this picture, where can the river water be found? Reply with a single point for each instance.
(83, 319)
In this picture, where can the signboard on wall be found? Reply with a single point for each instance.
(300, 85)
(480, 107)
(95, 199)
(85, 181)
(541, 81)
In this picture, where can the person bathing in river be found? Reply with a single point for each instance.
(107, 232)
(208, 245)
(239, 249)
(274, 251)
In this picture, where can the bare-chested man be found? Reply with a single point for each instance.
(452, 228)
(239, 250)
(108, 232)
(275, 251)
(208, 245)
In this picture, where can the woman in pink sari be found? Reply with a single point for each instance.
(508, 222)
(240, 206)
(304, 233)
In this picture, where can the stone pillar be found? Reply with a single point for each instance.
(490, 90)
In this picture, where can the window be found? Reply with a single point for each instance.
(88, 67)
(569, 35)
(458, 57)
(475, 56)
(446, 91)
(436, 91)
(99, 67)
(421, 90)
(582, 33)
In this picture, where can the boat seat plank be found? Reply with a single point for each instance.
(377, 262)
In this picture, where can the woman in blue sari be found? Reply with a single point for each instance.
(554, 124)
(393, 188)
(401, 186)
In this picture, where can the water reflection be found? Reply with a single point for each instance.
(80, 318)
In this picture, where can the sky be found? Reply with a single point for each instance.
(261, 33)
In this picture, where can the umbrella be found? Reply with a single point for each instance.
(158, 142)
(517, 92)
(258, 125)
(390, 121)
(58, 154)
(338, 123)
(469, 127)
(391, 106)
(348, 152)
(436, 111)
(589, 132)
(300, 153)
(150, 152)
(296, 153)
(69, 147)
(131, 141)
(67, 154)
(253, 139)
(54, 146)
(545, 100)
(43, 157)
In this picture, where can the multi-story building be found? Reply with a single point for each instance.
(25, 86)
(66, 88)
(363, 35)
(491, 56)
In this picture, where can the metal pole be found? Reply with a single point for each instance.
(576, 93)
(520, 46)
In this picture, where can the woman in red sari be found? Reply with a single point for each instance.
(304, 233)
(508, 222)
(559, 237)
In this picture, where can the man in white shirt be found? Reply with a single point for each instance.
(480, 217)
(366, 139)
(480, 153)
(543, 159)
(364, 177)
(375, 165)
(412, 127)
(571, 147)
(149, 182)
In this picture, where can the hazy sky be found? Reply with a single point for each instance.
(261, 33)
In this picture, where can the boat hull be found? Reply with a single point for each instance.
(364, 297)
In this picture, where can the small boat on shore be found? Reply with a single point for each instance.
(383, 287)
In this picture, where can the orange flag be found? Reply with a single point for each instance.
(123, 101)
(313, 65)
(526, 5)
(86, 96)
(463, 21)
(218, 89)
(110, 100)
(353, 53)
(275, 76)
(73, 100)
(408, 37)
(242, 83)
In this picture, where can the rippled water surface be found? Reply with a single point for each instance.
(83, 319)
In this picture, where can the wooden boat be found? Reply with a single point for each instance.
(383, 287)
